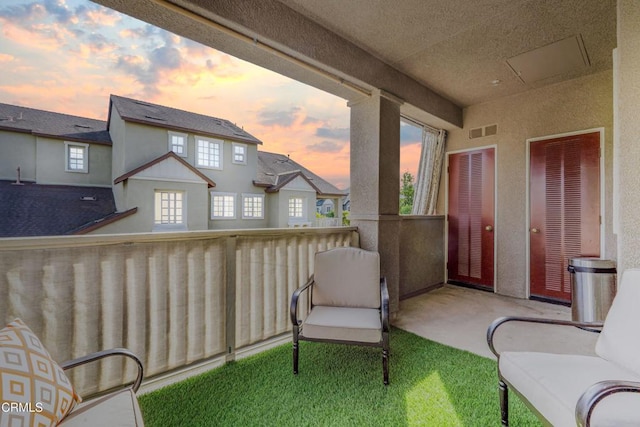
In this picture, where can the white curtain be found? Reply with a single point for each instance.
(428, 180)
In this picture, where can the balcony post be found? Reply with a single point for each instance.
(626, 129)
(375, 181)
(231, 295)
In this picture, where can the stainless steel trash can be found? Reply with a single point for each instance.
(593, 286)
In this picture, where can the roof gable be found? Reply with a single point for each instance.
(293, 181)
(274, 168)
(168, 167)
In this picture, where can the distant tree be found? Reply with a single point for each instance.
(345, 218)
(406, 194)
(330, 214)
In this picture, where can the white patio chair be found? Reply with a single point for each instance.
(565, 390)
(349, 303)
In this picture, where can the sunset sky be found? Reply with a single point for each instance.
(69, 56)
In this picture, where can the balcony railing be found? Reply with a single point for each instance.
(329, 222)
(175, 299)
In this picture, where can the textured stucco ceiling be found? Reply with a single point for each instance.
(458, 47)
(435, 55)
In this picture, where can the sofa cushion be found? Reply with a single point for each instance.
(343, 324)
(31, 380)
(118, 409)
(619, 341)
(553, 383)
(347, 277)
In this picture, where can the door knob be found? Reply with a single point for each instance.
(535, 230)
(488, 228)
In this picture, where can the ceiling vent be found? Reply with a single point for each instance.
(483, 131)
(562, 57)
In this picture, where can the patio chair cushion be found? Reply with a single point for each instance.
(116, 409)
(553, 383)
(29, 376)
(347, 277)
(619, 341)
(343, 324)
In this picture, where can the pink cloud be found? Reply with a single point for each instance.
(6, 57)
(102, 17)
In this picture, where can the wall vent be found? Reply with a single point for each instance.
(483, 131)
(475, 133)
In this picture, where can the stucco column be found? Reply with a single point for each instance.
(628, 141)
(375, 182)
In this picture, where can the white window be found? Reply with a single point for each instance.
(239, 153)
(252, 206)
(296, 207)
(178, 143)
(169, 209)
(76, 157)
(223, 206)
(209, 153)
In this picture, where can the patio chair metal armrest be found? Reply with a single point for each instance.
(384, 301)
(598, 392)
(295, 297)
(502, 320)
(106, 353)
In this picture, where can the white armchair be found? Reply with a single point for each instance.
(565, 390)
(349, 303)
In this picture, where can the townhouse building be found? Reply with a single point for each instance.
(148, 168)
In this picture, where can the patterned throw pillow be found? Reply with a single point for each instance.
(34, 391)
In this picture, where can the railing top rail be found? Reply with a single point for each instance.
(53, 242)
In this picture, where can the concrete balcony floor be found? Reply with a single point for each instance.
(459, 317)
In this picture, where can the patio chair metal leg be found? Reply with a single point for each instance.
(504, 403)
(385, 366)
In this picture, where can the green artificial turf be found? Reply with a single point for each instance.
(430, 385)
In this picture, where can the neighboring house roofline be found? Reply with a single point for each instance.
(71, 138)
(287, 178)
(99, 223)
(66, 127)
(188, 130)
(261, 184)
(166, 156)
(272, 167)
(329, 195)
(18, 130)
(147, 113)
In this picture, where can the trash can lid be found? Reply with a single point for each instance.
(592, 262)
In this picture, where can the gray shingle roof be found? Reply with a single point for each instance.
(56, 125)
(272, 168)
(172, 118)
(48, 210)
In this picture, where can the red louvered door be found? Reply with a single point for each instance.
(565, 210)
(471, 217)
